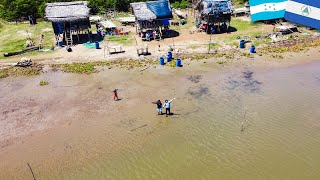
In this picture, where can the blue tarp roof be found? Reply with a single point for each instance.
(161, 9)
(217, 6)
(152, 10)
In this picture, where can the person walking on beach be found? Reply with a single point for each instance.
(167, 105)
(115, 95)
(159, 106)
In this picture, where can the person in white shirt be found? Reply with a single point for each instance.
(167, 105)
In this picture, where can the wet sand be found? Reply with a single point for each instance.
(44, 125)
(61, 128)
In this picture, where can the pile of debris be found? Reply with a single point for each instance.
(25, 62)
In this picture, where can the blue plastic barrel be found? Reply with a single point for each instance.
(60, 43)
(252, 49)
(99, 33)
(242, 43)
(97, 44)
(178, 62)
(161, 61)
(169, 57)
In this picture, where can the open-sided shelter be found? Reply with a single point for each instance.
(151, 15)
(215, 14)
(68, 19)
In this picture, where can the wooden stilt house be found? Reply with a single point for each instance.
(214, 15)
(151, 15)
(69, 19)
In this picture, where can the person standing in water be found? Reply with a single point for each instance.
(115, 95)
(159, 106)
(167, 105)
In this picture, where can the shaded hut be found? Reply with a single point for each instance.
(214, 15)
(109, 27)
(68, 19)
(152, 15)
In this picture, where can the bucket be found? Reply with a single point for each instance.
(242, 43)
(97, 44)
(161, 61)
(252, 49)
(60, 43)
(169, 57)
(178, 62)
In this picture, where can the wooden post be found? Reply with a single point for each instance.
(209, 44)
(104, 51)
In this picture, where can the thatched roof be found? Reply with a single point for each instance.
(152, 10)
(108, 24)
(141, 11)
(67, 11)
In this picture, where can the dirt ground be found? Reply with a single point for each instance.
(184, 43)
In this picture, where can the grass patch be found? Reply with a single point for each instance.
(221, 62)
(193, 47)
(14, 36)
(20, 71)
(123, 14)
(89, 67)
(292, 46)
(214, 45)
(79, 68)
(229, 55)
(247, 55)
(43, 83)
(234, 41)
(2, 23)
(3, 74)
(258, 43)
(277, 56)
(176, 28)
(125, 40)
(172, 63)
(241, 25)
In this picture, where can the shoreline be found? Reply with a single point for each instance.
(308, 54)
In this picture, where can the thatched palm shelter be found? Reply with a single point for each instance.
(68, 18)
(215, 14)
(151, 15)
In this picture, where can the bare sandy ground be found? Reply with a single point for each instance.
(185, 43)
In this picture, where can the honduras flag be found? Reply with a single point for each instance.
(305, 12)
(267, 9)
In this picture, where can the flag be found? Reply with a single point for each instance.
(305, 12)
(267, 9)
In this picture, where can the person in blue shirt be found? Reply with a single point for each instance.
(167, 105)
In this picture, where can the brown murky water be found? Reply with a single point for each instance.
(237, 124)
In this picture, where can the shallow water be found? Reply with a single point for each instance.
(244, 124)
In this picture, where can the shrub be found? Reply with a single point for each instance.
(43, 83)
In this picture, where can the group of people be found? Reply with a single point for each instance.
(166, 105)
(155, 34)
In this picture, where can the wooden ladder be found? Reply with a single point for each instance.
(68, 37)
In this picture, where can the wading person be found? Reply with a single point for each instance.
(159, 106)
(167, 105)
(115, 95)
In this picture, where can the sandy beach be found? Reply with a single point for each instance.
(73, 120)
